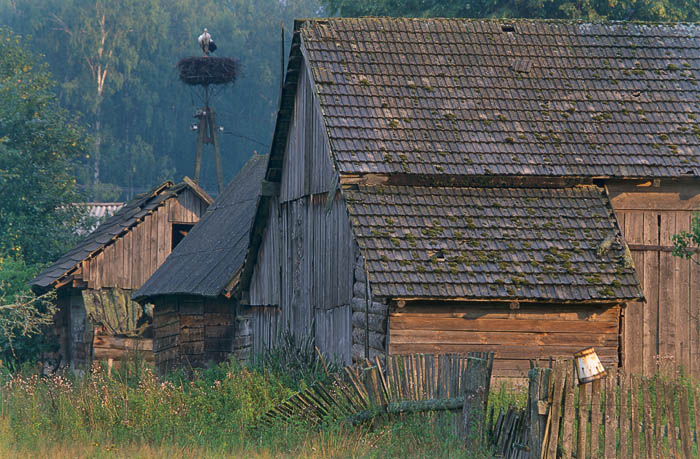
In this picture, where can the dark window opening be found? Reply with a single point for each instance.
(507, 28)
(180, 230)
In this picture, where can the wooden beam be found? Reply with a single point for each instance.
(657, 248)
(509, 300)
(199, 191)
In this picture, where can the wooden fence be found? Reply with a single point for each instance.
(402, 384)
(619, 416)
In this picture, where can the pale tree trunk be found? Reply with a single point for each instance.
(97, 146)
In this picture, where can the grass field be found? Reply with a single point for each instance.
(134, 413)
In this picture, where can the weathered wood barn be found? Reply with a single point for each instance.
(96, 318)
(196, 323)
(456, 185)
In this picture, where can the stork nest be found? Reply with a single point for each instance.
(207, 70)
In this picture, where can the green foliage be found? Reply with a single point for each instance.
(38, 146)
(22, 315)
(128, 91)
(642, 10)
(686, 243)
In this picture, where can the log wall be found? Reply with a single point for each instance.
(369, 319)
(303, 278)
(535, 331)
(197, 332)
(133, 258)
(666, 329)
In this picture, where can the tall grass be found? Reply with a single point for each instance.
(135, 413)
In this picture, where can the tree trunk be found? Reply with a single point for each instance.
(97, 149)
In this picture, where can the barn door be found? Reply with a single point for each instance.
(664, 331)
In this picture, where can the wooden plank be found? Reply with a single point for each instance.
(582, 417)
(677, 196)
(558, 381)
(500, 310)
(650, 342)
(624, 383)
(418, 322)
(668, 314)
(605, 353)
(611, 413)
(684, 319)
(497, 337)
(596, 417)
(153, 257)
(634, 313)
(117, 342)
(164, 234)
(127, 253)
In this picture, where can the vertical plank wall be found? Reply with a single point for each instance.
(666, 329)
(133, 258)
(302, 281)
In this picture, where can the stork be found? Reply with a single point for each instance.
(206, 43)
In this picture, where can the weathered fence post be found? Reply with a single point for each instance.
(538, 407)
(476, 383)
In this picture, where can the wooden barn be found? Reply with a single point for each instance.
(196, 322)
(457, 185)
(96, 318)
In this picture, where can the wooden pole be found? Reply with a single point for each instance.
(476, 393)
(201, 125)
(213, 133)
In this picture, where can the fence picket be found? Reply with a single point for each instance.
(558, 381)
(582, 421)
(696, 408)
(671, 419)
(624, 421)
(634, 410)
(596, 417)
(649, 445)
(567, 435)
(610, 413)
(684, 421)
(658, 422)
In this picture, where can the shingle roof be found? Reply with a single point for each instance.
(465, 97)
(212, 253)
(500, 243)
(127, 216)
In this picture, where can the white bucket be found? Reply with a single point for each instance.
(588, 366)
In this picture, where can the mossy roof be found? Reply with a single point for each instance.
(470, 97)
(492, 243)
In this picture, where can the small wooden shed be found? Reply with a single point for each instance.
(453, 185)
(196, 322)
(96, 318)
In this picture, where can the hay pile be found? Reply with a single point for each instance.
(207, 70)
